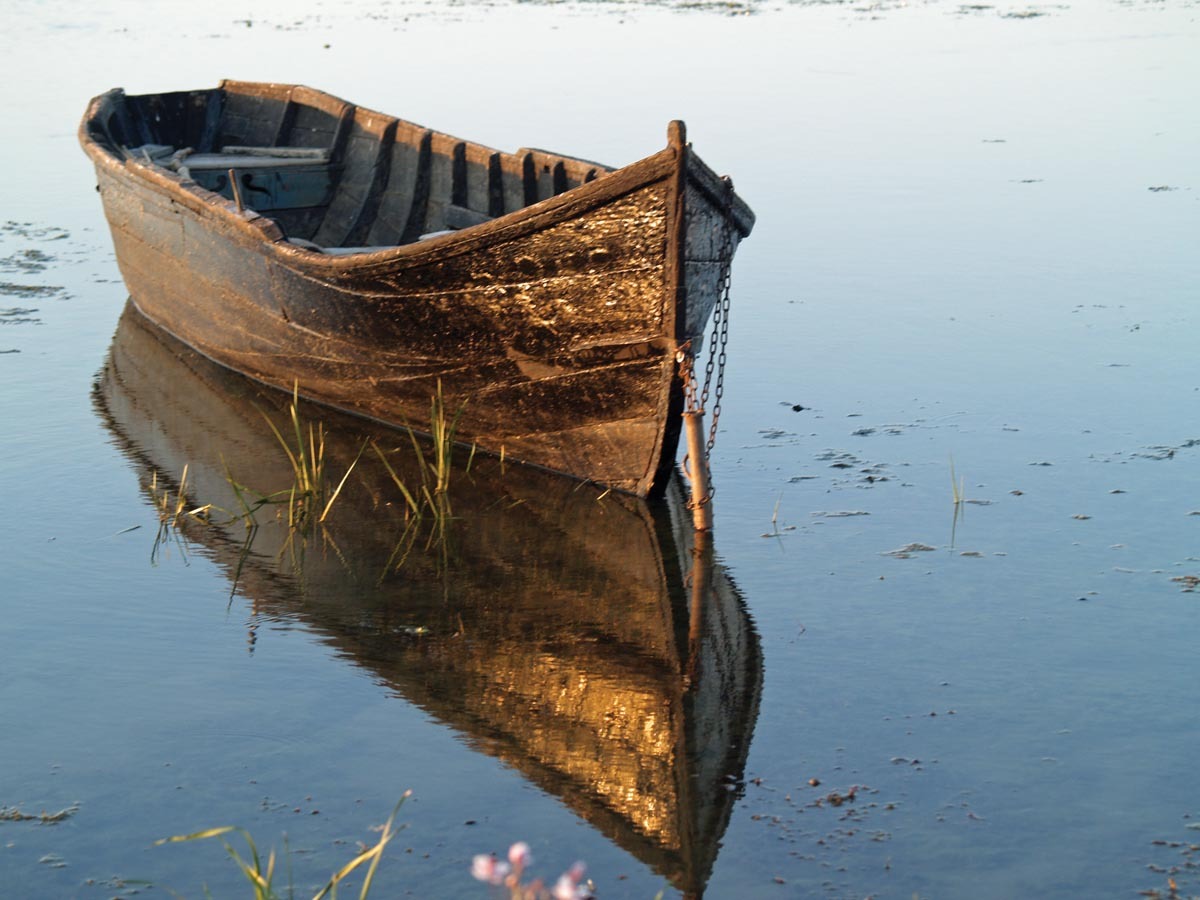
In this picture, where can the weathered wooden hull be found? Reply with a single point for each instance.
(554, 321)
(583, 639)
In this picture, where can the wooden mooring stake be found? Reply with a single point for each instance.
(701, 599)
(697, 457)
(236, 189)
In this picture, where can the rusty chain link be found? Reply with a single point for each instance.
(719, 339)
(718, 342)
(687, 374)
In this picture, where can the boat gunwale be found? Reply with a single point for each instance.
(543, 214)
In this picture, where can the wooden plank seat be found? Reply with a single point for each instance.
(230, 157)
(271, 178)
(256, 158)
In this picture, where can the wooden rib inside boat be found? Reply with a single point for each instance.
(305, 241)
(588, 640)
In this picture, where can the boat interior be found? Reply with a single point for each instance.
(336, 178)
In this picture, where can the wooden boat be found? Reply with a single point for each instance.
(589, 641)
(305, 241)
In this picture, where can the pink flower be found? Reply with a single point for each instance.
(488, 868)
(519, 855)
(568, 887)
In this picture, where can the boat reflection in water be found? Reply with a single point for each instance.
(583, 638)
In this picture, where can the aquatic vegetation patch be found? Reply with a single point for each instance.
(10, 289)
(31, 231)
(26, 261)
(309, 499)
(907, 551)
(16, 814)
(839, 459)
(126, 886)
(304, 505)
(774, 434)
(261, 873)
(18, 315)
(432, 496)
(1181, 869)
(172, 511)
(1161, 452)
(442, 430)
(868, 473)
(819, 824)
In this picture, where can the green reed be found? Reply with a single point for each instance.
(173, 512)
(435, 476)
(261, 874)
(430, 496)
(957, 486)
(309, 499)
(419, 503)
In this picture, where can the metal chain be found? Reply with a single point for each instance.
(718, 341)
(687, 374)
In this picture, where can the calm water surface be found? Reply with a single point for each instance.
(975, 253)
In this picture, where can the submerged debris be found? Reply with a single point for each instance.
(32, 260)
(15, 814)
(908, 550)
(10, 289)
(774, 434)
(1163, 451)
(18, 315)
(837, 799)
(32, 232)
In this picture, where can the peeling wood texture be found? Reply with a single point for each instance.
(548, 294)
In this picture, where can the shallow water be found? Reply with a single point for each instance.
(975, 253)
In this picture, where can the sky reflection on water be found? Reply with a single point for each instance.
(959, 255)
